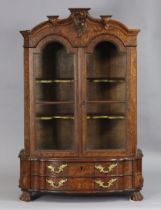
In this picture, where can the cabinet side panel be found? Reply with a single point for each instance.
(26, 101)
(132, 128)
(24, 182)
(138, 179)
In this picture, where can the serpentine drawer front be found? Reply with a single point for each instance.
(113, 168)
(113, 183)
(62, 184)
(81, 184)
(59, 169)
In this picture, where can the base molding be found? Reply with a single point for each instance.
(88, 176)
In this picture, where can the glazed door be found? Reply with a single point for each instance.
(105, 121)
(55, 101)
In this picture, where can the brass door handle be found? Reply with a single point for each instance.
(56, 184)
(104, 185)
(102, 169)
(57, 170)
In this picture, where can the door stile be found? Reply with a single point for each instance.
(77, 111)
(81, 97)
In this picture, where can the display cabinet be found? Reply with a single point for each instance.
(80, 108)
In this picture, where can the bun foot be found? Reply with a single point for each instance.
(136, 196)
(25, 196)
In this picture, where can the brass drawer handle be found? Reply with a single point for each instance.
(108, 185)
(102, 169)
(58, 169)
(56, 184)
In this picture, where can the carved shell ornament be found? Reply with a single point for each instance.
(79, 20)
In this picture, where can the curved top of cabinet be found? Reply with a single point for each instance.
(80, 30)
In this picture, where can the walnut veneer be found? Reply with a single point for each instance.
(80, 108)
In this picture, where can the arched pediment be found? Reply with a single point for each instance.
(79, 29)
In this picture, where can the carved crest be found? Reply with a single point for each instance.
(79, 28)
(79, 17)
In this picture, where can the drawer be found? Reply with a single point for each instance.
(61, 184)
(113, 168)
(83, 169)
(69, 169)
(56, 169)
(48, 183)
(113, 183)
(59, 169)
(81, 184)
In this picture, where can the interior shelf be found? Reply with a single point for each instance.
(48, 81)
(71, 102)
(109, 117)
(88, 117)
(106, 80)
(95, 80)
(55, 117)
(54, 102)
(108, 101)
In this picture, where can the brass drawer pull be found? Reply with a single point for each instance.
(58, 169)
(56, 184)
(102, 169)
(108, 185)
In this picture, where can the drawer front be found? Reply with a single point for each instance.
(61, 184)
(60, 169)
(69, 169)
(56, 169)
(81, 184)
(48, 183)
(113, 168)
(80, 169)
(113, 183)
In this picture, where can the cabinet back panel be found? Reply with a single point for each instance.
(106, 91)
(106, 61)
(102, 108)
(106, 134)
(54, 62)
(51, 110)
(53, 92)
(57, 134)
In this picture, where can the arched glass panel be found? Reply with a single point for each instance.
(106, 98)
(54, 98)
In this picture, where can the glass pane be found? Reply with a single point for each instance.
(56, 134)
(106, 62)
(106, 98)
(106, 91)
(110, 108)
(55, 91)
(55, 126)
(54, 98)
(106, 134)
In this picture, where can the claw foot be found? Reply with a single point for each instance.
(136, 196)
(25, 196)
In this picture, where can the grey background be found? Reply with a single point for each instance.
(16, 15)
